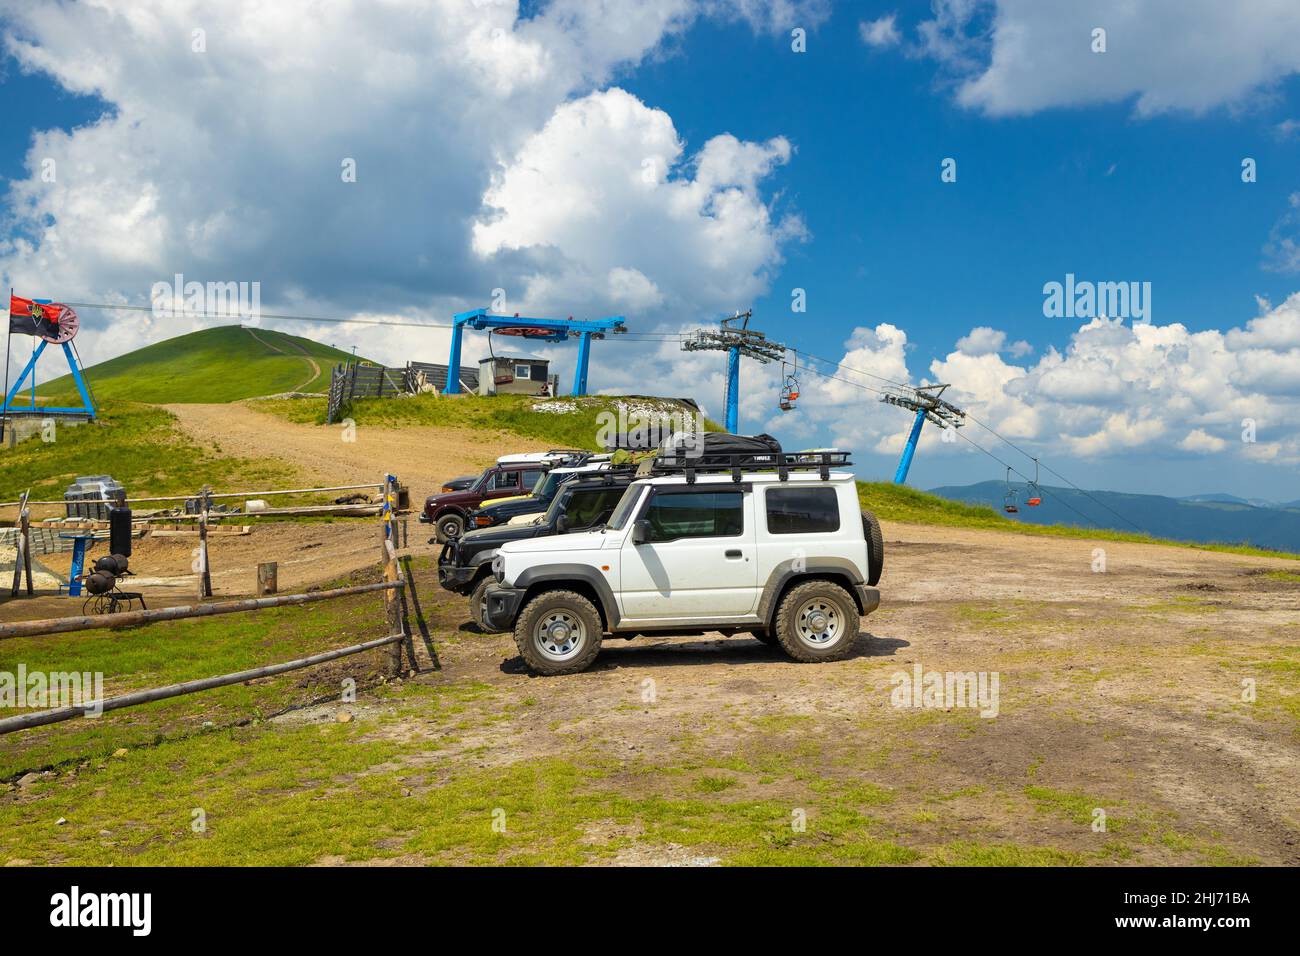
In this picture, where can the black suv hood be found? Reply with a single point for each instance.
(506, 510)
(474, 543)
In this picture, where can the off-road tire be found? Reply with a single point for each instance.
(875, 548)
(477, 601)
(449, 527)
(792, 619)
(567, 604)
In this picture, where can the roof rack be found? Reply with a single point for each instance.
(710, 464)
(607, 476)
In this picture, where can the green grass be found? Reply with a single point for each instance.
(577, 425)
(892, 502)
(139, 445)
(212, 365)
(1289, 576)
(174, 651)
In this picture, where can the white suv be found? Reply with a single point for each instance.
(786, 555)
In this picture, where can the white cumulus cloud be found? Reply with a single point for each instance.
(222, 156)
(1021, 56)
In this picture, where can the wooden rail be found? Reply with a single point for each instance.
(63, 625)
(41, 717)
(393, 587)
(191, 494)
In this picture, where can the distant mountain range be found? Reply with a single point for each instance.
(1223, 498)
(1211, 518)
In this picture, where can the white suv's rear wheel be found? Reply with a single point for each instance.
(558, 632)
(817, 621)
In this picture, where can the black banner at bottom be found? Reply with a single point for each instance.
(344, 905)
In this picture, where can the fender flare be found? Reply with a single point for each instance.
(839, 569)
(563, 573)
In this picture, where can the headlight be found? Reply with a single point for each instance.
(499, 568)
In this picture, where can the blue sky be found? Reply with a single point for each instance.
(1115, 166)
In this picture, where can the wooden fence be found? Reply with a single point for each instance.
(393, 587)
(351, 380)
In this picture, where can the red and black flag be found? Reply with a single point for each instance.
(51, 321)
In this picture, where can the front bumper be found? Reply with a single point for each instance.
(869, 598)
(424, 518)
(456, 579)
(501, 606)
(452, 575)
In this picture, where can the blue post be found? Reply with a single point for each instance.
(733, 389)
(78, 564)
(453, 363)
(27, 370)
(904, 463)
(580, 372)
(76, 377)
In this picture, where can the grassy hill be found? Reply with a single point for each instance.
(224, 364)
(139, 445)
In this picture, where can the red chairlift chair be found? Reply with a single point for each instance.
(789, 390)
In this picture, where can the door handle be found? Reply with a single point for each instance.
(735, 553)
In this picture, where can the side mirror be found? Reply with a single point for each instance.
(640, 531)
(562, 524)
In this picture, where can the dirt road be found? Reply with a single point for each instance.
(297, 350)
(422, 458)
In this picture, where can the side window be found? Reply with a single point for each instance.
(587, 508)
(697, 514)
(802, 510)
(530, 479)
(521, 371)
(505, 479)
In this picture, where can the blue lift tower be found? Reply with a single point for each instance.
(543, 330)
(735, 340)
(927, 404)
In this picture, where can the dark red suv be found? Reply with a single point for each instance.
(446, 511)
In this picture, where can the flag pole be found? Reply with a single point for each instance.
(9, 335)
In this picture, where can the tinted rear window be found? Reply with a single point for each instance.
(802, 510)
(703, 514)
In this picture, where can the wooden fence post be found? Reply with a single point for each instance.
(205, 572)
(22, 548)
(26, 534)
(392, 599)
(267, 577)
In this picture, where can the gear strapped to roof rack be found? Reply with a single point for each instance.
(681, 462)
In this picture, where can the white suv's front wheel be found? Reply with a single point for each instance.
(817, 621)
(558, 632)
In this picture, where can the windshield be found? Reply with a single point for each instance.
(626, 504)
(558, 504)
(546, 487)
